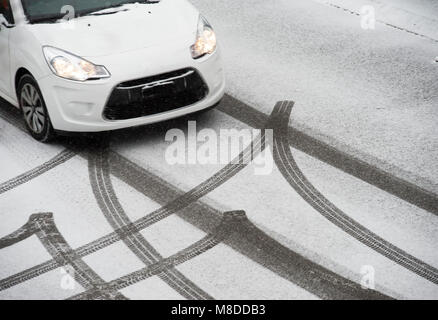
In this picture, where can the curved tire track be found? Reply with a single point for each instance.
(181, 202)
(249, 241)
(345, 162)
(117, 218)
(59, 159)
(294, 176)
(45, 228)
(228, 225)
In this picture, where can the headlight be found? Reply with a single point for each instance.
(205, 39)
(69, 66)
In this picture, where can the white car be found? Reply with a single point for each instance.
(99, 65)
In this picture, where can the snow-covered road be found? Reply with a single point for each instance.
(289, 242)
(371, 93)
(351, 200)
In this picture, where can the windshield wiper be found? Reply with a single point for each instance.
(96, 13)
(47, 18)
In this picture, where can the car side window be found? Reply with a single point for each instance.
(6, 10)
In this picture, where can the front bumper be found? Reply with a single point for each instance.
(79, 106)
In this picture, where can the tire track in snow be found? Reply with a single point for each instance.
(358, 168)
(228, 225)
(170, 208)
(12, 116)
(286, 163)
(116, 216)
(59, 159)
(43, 226)
(249, 241)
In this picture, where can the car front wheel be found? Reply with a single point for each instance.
(34, 109)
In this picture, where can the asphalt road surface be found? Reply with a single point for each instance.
(107, 216)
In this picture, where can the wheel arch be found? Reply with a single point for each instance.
(18, 75)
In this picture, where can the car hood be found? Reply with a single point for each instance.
(131, 27)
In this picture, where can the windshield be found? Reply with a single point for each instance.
(53, 10)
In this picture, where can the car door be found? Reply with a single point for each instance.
(5, 63)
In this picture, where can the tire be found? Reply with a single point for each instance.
(33, 107)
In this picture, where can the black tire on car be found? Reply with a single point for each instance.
(34, 109)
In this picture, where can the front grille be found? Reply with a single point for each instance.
(156, 94)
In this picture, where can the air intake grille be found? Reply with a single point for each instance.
(156, 94)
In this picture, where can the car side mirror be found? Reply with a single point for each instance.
(4, 22)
